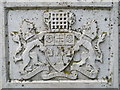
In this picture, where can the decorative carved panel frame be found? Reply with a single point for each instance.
(59, 44)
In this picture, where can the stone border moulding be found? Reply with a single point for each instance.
(17, 5)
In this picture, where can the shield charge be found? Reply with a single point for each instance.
(59, 51)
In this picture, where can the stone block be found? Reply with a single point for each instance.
(58, 44)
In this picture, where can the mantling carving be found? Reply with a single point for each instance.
(56, 47)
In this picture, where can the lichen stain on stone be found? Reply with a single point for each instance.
(67, 72)
(108, 78)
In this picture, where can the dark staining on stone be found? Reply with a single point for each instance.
(110, 24)
(75, 74)
(109, 33)
(105, 19)
(6, 24)
(84, 9)
(9, 80)
(89, 70)
(93, 33)
(68, 6)
(22, 85)
(108, 79)
(8, 62)
(119, 12)
(6, 35)
(11, 9)
(98, 29)
(96, 22)
(63, 50)
(64, 64)
(108, 58)
(27, 9)
(68, 60)
(109, 47)
(80, 19)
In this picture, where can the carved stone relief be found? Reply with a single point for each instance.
(58, 44)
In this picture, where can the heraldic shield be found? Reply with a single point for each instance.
(59, 51)
(59, 40)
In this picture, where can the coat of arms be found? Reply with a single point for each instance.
(52, 52)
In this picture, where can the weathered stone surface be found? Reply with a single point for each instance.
(119, 39)
(61, 44)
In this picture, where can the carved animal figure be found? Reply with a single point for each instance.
(27, 40)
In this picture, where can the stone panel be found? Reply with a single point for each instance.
(58, 44)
